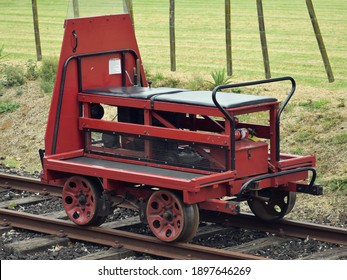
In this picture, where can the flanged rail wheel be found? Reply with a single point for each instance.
(272, 204)
(170, 219)
(82, 200)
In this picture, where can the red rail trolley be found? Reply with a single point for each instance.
(112, 140)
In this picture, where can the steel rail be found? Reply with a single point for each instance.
(117, 238)
(282, 227)
(28, 184)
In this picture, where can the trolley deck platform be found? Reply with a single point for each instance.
(139, 174)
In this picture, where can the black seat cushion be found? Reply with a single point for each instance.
(132, 92)
(181, 96)
(204, 98)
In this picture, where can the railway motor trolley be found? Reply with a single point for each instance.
(112, 140)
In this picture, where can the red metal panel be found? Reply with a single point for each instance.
(251, 158)
(83, 36)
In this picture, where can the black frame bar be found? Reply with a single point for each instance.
(80, 84)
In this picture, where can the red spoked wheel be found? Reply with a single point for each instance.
(170, 219)
(82, 200)
(272, 204)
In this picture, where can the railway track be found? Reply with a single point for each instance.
(122, 242)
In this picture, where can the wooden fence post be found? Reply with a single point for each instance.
(320, 41)
(76, 10)
(36, 30)
(129, 4)
(263, 39)
(172, 36)
(228, 38)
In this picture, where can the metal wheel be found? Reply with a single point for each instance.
(82, 201)
(272, 204)
(170, 219)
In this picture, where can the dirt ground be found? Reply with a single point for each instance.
(22, 131)
(22, 134)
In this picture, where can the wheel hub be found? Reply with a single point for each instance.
(82, 199)
(168, 216)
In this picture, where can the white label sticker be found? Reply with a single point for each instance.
(114, 66)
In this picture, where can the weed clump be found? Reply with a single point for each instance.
(8, 106)
(32, 71)
(13, 75)
(219, 77)
(48, 73)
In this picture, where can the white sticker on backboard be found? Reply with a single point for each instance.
(114, 66)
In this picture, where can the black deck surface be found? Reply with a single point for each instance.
(181, 96)
(135, 168)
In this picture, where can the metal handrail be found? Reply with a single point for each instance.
(63, 77)
(278, 116)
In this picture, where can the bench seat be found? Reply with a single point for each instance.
(181, 96)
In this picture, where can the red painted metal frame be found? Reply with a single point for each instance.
(146, 130)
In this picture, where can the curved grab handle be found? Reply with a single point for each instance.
(278, 116)
(253, 83)
(76, 41)
(63, 79)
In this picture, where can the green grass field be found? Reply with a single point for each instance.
(200, 38)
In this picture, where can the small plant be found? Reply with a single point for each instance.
(49, 69)
(19, 91)
(10, 162)
(47, 86)
(8, 106)
(13, 76)
(47, 74)
(11, 205)
(338, 184)
(314, 104)
(341, 103)
(219, 78)
(32, 72)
